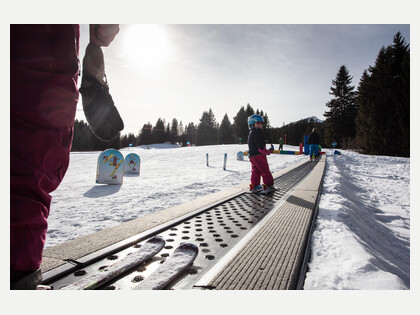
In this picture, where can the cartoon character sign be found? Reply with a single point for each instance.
(110, 168)
(240, 156)
(132, 162)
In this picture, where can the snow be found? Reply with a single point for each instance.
(169, 175)
(361, 238)
(314, 118)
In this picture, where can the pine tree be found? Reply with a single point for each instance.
(168, 133)
(225, 131)
(240, 124)
(174, 131)
(145, 135)
(366, 122)
(383, 122)
(207, 130)
(340, 119)
(124, 141)
(400, 72)
(403, 106)
(132, 139)
(82, 136)
(158, 131)
(190, 134)
(249, 110)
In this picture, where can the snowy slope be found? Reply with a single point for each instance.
(362, 235)
(169, 175)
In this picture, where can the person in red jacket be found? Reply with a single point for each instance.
(44, 71)
(258, 156)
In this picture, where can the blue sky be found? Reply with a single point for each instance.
(179, 71)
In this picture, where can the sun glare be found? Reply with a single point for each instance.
(147, 45)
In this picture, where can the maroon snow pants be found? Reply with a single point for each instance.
(44, 70)
(260, 169)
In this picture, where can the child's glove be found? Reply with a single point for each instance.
(264, 151)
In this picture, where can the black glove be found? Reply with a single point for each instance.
(98, 105)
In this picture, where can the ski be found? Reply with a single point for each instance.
(181, 258)
(255, 190)
(267, 191)
(93, 281)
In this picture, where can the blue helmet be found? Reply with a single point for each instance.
(254, 118)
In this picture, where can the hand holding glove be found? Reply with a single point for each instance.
(98, 105)
(103, 34)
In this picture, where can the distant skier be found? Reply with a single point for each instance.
(313, 144)
(257, 156)
(281, 142)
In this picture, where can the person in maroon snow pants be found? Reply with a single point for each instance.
(44, 70)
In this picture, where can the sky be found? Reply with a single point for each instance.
(181, 70)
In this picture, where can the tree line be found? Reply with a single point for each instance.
(374, 119)
(207, 132)
(294, 133)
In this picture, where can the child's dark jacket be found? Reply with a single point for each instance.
(256, 140)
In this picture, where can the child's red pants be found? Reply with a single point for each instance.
(260, 169)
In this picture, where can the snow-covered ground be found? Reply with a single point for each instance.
(169, 175)
(362, 235)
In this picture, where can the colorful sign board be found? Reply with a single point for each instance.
(110, 169)
(132, 164)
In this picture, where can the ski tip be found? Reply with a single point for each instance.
(156, 240)
(189, 247)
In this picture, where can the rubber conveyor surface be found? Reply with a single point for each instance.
(275, 256)
(217, 230)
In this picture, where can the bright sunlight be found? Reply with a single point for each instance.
(147, 45)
